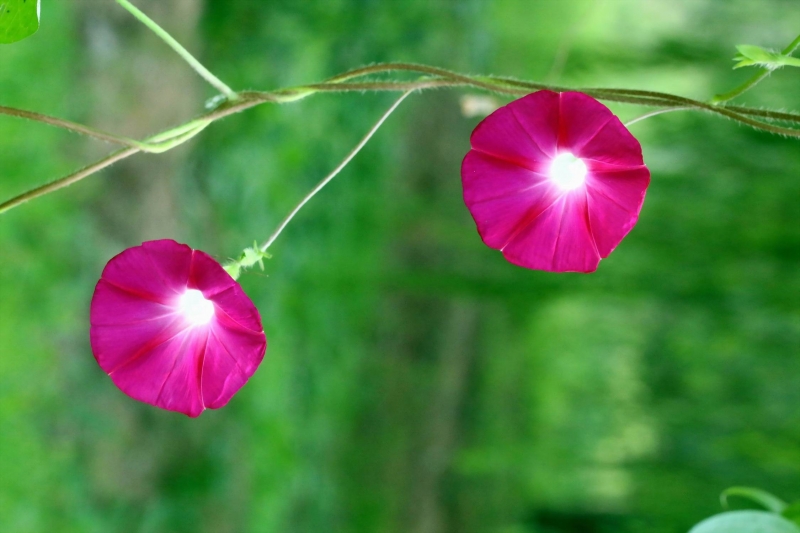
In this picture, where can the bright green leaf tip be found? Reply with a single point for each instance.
(750, 55)
(18, 19)
(760, 497)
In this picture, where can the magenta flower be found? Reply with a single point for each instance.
(173, 329)
(554, 181)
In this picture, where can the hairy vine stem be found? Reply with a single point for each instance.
(363, 79)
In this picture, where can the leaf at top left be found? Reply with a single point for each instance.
(18, 19)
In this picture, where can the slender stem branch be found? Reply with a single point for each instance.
(183, 52)
(755, 79)
(654, 113)
(153, 147)
(68, 180)
(333, 174)
(434, 78)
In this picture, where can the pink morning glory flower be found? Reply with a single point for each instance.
(173, 329)
(554, 181)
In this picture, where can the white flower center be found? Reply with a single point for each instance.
(196, 308)
(568, 171)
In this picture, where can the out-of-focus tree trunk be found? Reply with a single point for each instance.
(456, 353)
(138, 87)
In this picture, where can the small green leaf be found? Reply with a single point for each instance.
(750, 55)
(745, 522)
(792, 512)
(18, 19)
(760, 497)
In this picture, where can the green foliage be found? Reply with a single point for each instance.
(792, 512)
(18, 19)
(763, 498)
(746, 522)
(750, 55)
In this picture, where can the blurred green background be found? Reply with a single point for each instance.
(414, 382)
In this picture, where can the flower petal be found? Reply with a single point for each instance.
(117, 306)
(168, 375)
(534, 245)
(615, 200)
(116, 345)
(235, 304)
(133, 270)
(232, 356)
(503, 197)
(538, 114)
(171, 260)
(575, 249)
(208, 276)
(613, 144)
(558, 240)
(581, 117)
(504, 136)
(627, 187)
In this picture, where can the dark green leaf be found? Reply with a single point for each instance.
(792, 512)
(745, 522)
(18, 19)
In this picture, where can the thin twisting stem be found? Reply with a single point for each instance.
(168, 142)
(434, 78)
(333, 174)
(183, 52)
(67, 125)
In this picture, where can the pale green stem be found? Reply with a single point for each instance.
(166, 141)
(757, 77)
(153, 145)
(654, 113)
(183, 52)
(67, 181)
(327, 179)
(507, 86)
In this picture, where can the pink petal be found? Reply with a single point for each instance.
(613, 144)
(502, 196)
(119, 306)
(170, 262)
(237, 306)
(538, 114)
(534, 245)
(575, 249)
(116, 345)
(208, 276)
(168, 375)
(626, 187)
(506, 138)
(133, 271)
(615, 199)
(581, 118)
(233, 355)
(558, 240)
